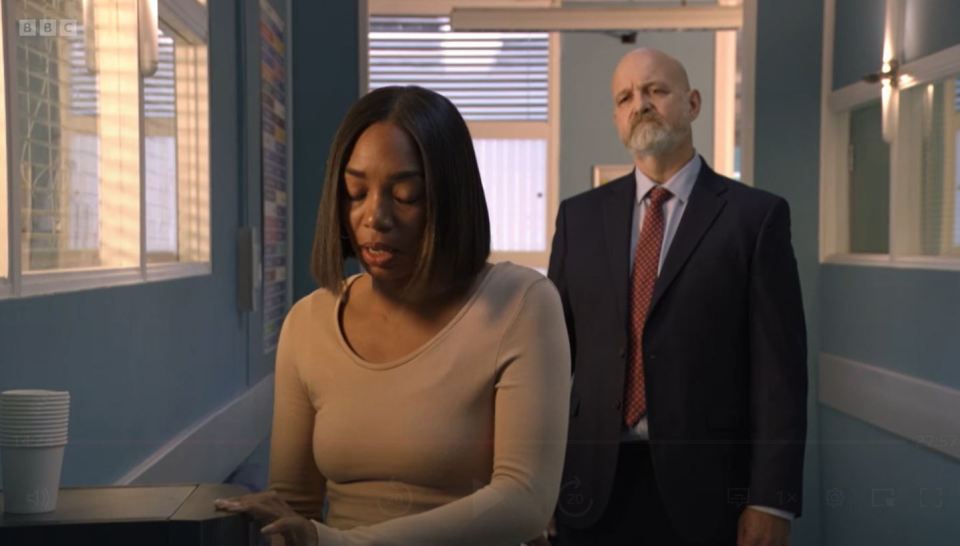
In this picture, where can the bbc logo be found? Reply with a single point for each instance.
(66, 28)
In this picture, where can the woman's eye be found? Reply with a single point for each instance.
(355, 196)
(406, 199)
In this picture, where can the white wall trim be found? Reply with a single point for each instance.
(848, 97)
(748, 71)
(53, 282)
(940, 263)
(187, 17)
(725, 98)
(209, 450)
(915, 409)
(931, 68)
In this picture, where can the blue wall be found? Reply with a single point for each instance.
(930, 26)
(789, 42)
(858, 40)
(143, 362)
(865, 467)
(905, 320)
(935, 25)
(901, 319)
(326, 68)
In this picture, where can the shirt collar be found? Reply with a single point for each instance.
(680, 184)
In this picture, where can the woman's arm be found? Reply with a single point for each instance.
(532, 398)
(293, 471)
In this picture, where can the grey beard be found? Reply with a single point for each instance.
(652, 139)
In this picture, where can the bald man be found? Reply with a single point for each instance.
(682, 302)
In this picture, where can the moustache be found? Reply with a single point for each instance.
(647, 117)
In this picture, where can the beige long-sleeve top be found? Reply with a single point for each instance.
(459, 443)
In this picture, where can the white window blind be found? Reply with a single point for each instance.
(489, 76)
(159, 90)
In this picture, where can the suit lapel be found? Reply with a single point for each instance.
(701, 210)
(617, 215)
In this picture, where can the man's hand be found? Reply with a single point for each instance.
(275, 514)
(757, 528)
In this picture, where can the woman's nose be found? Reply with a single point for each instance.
(379, 214)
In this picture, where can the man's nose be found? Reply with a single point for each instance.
(641, 105)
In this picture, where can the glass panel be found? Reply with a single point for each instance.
(77, 157)
(175, 151)
(4, 250)
(940, 179)
(869, 182)
(489, 76)
(514, 173)
(160, 154)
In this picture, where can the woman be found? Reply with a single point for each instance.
(425, 400)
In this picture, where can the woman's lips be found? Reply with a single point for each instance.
(377, 255)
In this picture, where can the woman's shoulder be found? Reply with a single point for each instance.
(316, 307)
(516, 281)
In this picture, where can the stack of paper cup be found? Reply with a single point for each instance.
(33, 433)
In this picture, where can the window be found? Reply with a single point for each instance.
(108, 175)
(501, 83)
(938, 128)
(4, 235)
(175, 152)
(895, 203)
(869, 182)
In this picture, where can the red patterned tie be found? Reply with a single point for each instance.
(646, 261)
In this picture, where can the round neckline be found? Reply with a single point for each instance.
(434, 340)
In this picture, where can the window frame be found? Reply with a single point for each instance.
(189, 18)
(835, 108)
(6, 288)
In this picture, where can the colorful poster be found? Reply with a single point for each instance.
(274, 176)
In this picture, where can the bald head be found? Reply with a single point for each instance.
(648, 60)
(653, 105)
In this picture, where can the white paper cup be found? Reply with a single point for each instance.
(31, 478)
(33, 394)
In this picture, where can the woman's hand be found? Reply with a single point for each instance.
(270, 510)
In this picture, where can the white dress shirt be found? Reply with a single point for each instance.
(680, 185)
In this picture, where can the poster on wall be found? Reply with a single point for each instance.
(274, 176)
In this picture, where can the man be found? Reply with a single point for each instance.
(682, 302)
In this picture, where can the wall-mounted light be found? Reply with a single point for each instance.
(89, 37)
(148, 23)
(889, 75)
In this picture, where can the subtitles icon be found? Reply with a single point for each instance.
(931, 497)
(883, 498)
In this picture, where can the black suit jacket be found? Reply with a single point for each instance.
(724, 354)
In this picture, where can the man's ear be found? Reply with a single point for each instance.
(694, 101)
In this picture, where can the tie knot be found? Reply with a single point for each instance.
(659, 196)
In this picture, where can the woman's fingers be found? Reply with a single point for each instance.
(264, 507)
(296, 531)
